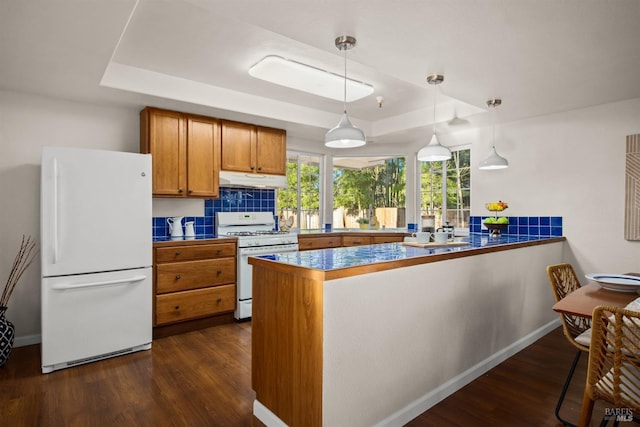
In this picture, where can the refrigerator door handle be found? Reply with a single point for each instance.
(63, 287)
(55, 211)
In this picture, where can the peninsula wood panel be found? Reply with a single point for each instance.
(632, 189)
(287, 346)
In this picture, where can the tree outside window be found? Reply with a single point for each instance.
(301, 199)
(363, 183)
(445, 189)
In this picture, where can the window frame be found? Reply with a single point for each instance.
(444, 172)
(299, 156)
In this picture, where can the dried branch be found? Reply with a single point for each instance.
(23, 260)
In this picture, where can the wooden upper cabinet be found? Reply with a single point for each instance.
(164, 135)
(253, 149)
(238, 143)
(203, 156)
(271, 151)
(185, 152)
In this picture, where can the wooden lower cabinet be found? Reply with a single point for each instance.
(179, 306)
(358, 240)
(341, 239)
(193, 281)
(319, 242)
(387, 239)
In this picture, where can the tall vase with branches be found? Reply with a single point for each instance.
(23, 260)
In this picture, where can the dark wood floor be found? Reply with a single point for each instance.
(203, 379)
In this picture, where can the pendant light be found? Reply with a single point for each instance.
(434, 152)
(494, 161)
(345, 135)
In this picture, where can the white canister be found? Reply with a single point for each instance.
(189, 230)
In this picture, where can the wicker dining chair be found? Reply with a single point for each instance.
(576, 329)
(614, 365)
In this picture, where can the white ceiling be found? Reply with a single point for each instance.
(539, 56)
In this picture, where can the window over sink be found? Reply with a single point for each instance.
(301, 199)
(445, 189)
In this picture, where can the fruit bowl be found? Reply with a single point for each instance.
(495, 228)
(498, 206)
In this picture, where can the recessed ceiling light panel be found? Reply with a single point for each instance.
(299, 76)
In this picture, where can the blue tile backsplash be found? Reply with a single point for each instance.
(230, 200)
(523, 225)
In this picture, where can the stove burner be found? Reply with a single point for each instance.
(255, 233)
(241, 233)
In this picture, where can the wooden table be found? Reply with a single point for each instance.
(582, 301)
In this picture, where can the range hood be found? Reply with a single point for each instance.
(251, 180)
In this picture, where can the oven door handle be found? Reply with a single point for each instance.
(257, 250)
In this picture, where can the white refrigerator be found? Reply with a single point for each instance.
(96, 243)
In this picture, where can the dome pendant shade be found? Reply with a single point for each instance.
(494, 161)
(434, 152)
(345, 135)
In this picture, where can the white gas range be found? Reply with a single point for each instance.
(256, 236)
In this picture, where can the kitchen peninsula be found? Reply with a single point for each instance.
(375, 335)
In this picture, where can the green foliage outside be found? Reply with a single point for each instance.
(380, 186)
(309, 188)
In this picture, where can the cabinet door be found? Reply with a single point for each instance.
(315, 242)
(271, 149)
(181, 276)
(163, 134)
(356, 240)
(238, 147)
(203, 156)
(179, 306)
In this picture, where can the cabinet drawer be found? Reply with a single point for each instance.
(387, 239)
(195, 252)
(306, 243)
(180, 276)
(186, 305)
(356, 240)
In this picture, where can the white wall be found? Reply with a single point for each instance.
(581, 178)
(572, 165)
(28, 123)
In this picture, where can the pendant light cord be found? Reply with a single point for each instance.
(345, 80)
(493, 119)
(435, 93)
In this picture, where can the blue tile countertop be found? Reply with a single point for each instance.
(185, 239)
(354, 256)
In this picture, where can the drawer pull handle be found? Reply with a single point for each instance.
(177, 253)
(180, 190)
(177, 307)
(190, 191)
(177, 277)
(219, 300)
(219, 272)
(218, 251)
